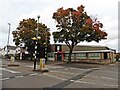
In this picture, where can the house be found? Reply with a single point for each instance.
(10, 50)
(82, 53)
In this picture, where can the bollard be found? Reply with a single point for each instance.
(41, 64)
(12, 60)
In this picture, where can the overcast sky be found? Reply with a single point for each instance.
(13, 11)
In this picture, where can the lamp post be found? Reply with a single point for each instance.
(46, 45)
(36, 47)
(8, 38)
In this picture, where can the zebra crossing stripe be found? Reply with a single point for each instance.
(18, 76)
(33, 74)
(4, 79)
(11, 71)
(7, 78)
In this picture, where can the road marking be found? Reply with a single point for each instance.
(63, 72)
(11, 71)
(95, 68)
(102, 77)
(4, 79)
(72, 80)
(109, 71)
(78, 68)
(54, 76)
(96, 83)
(33, 74)
(37, 66)
(18, 76)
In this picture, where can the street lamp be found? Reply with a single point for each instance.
(46, 44)
(8, 38)
(36, 39)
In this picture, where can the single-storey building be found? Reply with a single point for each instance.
(82, 53)
(118, 56)
(10, 50)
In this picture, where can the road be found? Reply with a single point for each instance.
(59, 76)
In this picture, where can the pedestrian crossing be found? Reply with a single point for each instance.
(61, 73)
(12, 74)
(11, 71)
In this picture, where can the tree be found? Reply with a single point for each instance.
(26, 30)
(76, 26)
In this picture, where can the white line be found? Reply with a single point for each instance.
(11, 71)
(18, 76)
(0, 74)
(96, 83)
(103, 77)
(32, 66)
(72, 80)
(33, 74)
(62, 72)
(78, 68)
(94, 68)
(4, 79)
(109, 71)
(54, 76)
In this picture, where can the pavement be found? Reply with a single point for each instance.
(60, 75)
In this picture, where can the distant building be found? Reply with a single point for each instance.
(11, 50)
(118, 56)
(82, 53)
(1, 52)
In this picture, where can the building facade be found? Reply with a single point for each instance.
(90, 54)
(8, 51)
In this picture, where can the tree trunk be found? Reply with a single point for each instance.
(69, 57)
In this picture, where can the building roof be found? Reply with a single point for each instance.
(10, 47)
(81, 48)
(85, 48)
(94, 51)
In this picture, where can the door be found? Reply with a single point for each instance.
(105, 55)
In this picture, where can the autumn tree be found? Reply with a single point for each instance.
(76, 26)
(27, 30)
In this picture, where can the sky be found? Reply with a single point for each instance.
(14, 11)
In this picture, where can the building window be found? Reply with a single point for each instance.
(94, 55)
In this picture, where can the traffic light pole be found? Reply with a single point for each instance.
(35, 55)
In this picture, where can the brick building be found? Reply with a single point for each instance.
(82, 53)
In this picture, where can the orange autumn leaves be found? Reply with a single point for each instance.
(79, 18)
(61, 12)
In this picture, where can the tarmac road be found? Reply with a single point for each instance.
(59, 76)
